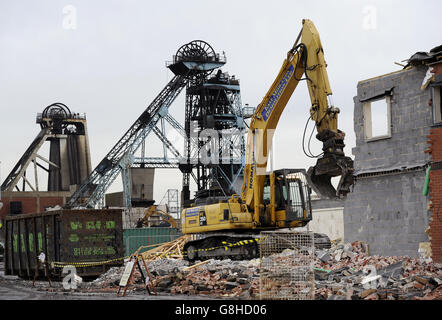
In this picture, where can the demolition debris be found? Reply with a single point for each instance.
(345, 271)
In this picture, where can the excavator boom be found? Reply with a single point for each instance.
(278, 199)
(333, 161)
(305, 59)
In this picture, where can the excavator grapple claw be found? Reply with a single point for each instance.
(319, 176)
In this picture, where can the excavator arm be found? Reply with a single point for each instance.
(304, 59)
(333, 161)
(165, 216)
(280, 199)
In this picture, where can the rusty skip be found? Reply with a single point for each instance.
(63, 236)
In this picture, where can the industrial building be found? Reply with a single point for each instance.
(66, 166)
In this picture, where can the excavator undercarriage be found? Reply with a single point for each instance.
(236, 247)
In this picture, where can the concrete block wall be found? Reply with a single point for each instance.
(389, 211)
(411, 118)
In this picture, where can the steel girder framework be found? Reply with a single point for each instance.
(120, 158)
(214, 104)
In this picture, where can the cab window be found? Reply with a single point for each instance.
(266, 195)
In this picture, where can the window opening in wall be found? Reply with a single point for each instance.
(377, 119)
(437, 105)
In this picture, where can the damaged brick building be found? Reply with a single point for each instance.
(398, 128)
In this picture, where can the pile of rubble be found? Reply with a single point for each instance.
(106, 281)
(348, 272)
(112, 277)
(341, 272)
(223, 278)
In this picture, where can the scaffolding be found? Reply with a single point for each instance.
(286, 269)
(171, 199)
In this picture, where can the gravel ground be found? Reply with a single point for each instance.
(15, 288)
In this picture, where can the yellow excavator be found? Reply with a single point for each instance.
(280, 199)
(155, 210)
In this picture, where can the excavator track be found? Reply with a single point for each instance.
(222, 247)
(239, 247)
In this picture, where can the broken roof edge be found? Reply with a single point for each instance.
(419, 58)
(424, 58)
(384, 75)
(392, 169)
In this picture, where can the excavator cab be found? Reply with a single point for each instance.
(290, 199)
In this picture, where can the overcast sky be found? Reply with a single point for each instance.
(108, 61)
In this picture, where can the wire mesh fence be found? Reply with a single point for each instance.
(286, 269)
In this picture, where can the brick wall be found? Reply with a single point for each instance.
(29, 205)
(435, 232)
(31, 202)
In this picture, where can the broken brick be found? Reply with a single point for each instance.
(373, 296)
(421, 280)
(367, 293)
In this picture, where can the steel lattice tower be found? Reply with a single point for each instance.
(214, 124)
